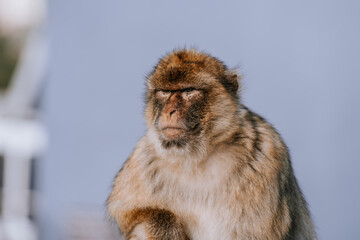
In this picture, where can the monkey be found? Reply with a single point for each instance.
(208, 167)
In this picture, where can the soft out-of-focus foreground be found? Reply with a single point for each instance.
(71, 101)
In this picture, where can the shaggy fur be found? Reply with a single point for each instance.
(226, 174)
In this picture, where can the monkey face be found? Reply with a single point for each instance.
(179, 114)
(190, 98)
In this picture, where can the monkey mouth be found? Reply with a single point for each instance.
(173, 132)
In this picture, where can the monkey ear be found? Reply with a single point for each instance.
(230, 81)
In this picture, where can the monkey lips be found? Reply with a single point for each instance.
(173, 132)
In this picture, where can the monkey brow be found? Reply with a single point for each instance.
(189, 89)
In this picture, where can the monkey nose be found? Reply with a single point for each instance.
(172, 112)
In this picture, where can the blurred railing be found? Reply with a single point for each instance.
(22, 135)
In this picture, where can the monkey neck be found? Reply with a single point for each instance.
(192, 152)
(222, 134)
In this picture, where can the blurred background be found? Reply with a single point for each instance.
(71, 99)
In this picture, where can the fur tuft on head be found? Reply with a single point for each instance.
(184, 65)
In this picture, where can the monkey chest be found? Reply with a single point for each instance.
(201, 200)
(206, 221)
(204, 211)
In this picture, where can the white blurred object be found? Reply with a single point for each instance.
(22, 135)
(19, 15)
(20, 141)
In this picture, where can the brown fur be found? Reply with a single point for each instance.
(208, 167)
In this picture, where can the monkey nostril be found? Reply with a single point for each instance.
(172, 112)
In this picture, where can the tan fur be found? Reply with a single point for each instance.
(230, 179)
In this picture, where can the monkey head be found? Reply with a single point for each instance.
(191, 98)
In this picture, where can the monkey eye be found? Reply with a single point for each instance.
(190, 93)
(163, 93)
(188, 89)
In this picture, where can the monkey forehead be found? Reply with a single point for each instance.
(201, 80)
(182, 68)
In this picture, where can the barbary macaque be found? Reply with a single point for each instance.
(208, 167)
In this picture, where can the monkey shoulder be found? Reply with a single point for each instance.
(259, 139)
(261, 152)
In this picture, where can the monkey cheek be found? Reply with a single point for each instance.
(173, 133)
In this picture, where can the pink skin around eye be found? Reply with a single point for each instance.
(191, 94)
(163, 94)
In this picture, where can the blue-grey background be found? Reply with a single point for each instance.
(301, 66)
